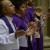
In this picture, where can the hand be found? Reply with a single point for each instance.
(31, 25)
(38, 24)
(19, 33)
(30, 31)
(44, 16)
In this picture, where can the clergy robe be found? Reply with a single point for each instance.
(29, 14)
(34, 41)
(27, 18)
(40, 40)
(7, 34)
(21, 24)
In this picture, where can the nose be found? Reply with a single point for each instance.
(25, 8)
(13, 6)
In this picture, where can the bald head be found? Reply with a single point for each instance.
(7, 6)
(5, 2)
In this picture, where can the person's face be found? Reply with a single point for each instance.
(23, 9)
(8, 7)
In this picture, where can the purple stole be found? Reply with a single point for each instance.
(8, 24)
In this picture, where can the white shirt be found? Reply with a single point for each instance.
(23, 41)
(42, 21)
(7, 40)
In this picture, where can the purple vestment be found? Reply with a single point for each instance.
(36, 43)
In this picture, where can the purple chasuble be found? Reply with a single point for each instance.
(19, 21)
(29, 12)
(21, 24)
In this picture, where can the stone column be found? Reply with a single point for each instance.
(49, 3)
(48, 21)
(35, 3)
(45, 8)
(39, 2)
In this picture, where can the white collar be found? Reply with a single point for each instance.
(9, 18)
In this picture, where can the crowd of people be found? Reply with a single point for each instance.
(21, 25)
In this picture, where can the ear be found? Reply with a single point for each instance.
(4, 10)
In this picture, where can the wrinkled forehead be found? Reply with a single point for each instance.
(6, 3)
